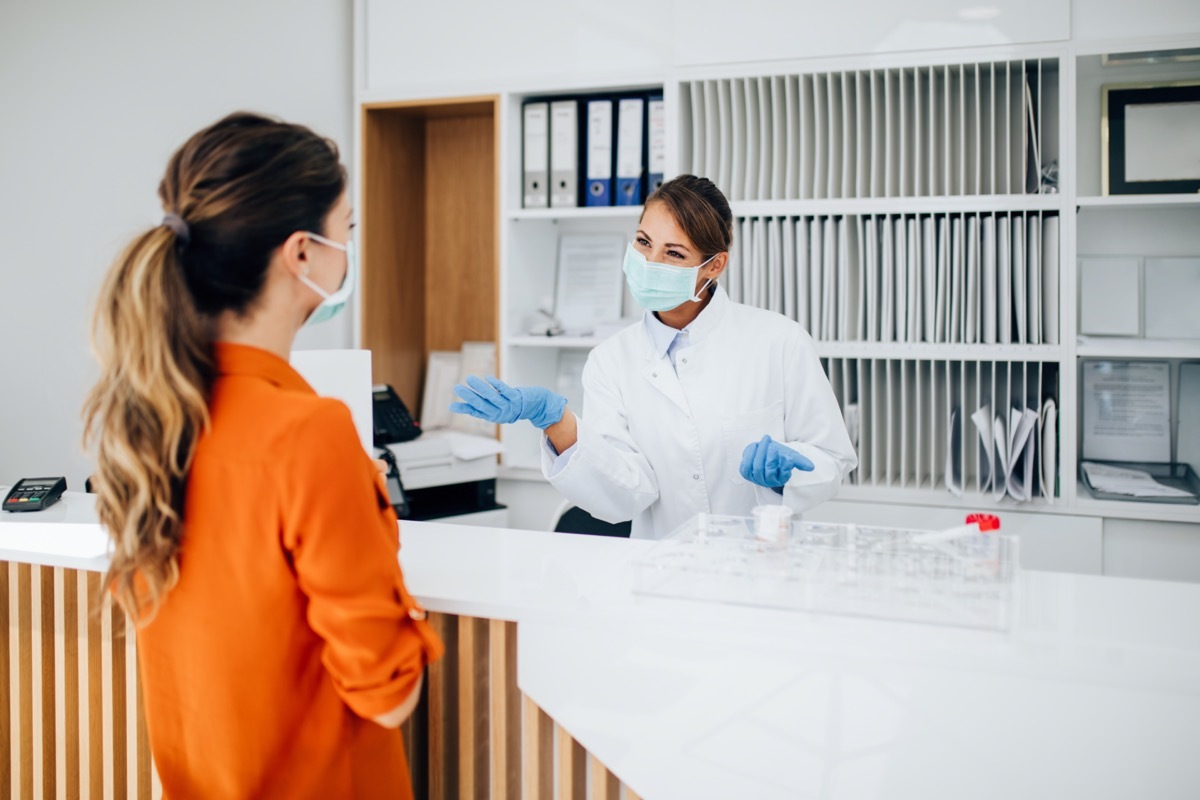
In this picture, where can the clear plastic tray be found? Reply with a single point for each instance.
(837, 569)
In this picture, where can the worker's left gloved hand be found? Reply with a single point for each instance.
(496, 401)
(769, 463)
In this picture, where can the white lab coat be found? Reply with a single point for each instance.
(658, 447)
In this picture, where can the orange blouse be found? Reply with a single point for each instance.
(290, 626)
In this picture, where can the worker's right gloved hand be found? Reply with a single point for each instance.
(496, 401)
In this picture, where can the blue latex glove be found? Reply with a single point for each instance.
(496, 401)
(769, 463)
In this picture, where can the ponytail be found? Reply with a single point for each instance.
(145, 415)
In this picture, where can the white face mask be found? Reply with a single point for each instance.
(332, 304)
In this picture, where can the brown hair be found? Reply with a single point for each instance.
(233, 193)
(700, 209)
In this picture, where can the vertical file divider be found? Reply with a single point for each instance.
(779, 147)
(933, 138)
(792, 111)
(766, 141)
(990, 127)
(902, 103)
(802, 274)
(699, 164)
(919, 135)
(725, 154)
(833, 137)
(964, 379)
(808, 144)
(788, 233)
(848, 123)
(864, 421)
(947, 137)
(752, 154)
(890, 135)
(820, 149)
(878, 135)
(712, 134)
(731, 277)
(962, 130)
(739, 120)
(862, 135)
(687, 129)
(920, 435)
(977, 149)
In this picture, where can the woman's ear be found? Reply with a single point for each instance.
(717, 266)
(294, 253)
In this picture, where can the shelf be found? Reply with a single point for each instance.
(1100, 347)
(593, 212)
(583, 342)
(1087, 505)
(924, 351)
(942, 498)
(1148, 201)
(897, 205)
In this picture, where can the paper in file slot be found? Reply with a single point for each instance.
(564, 154)
(631, 124)
(988, 302)
(853, 418)
(656, 141)
(1018, 480)
(1048, 427)
(987, 447)
(536, 154)
(599, 153)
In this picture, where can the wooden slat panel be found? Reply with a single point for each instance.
(95, 692)
(572, 766)
(24, 772)
(604, 785)
(7, 672)
(537, 752)
(68, 580)
(505, 711)
(473, 711)
(443, 713)
(45, 693)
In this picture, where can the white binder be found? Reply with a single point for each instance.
(564, 154)
(536, 150)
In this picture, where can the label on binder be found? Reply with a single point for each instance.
(536, 149)
(630, 127)
(599, 153)
(657, 142)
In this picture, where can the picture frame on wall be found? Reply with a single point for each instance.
(1151, 138)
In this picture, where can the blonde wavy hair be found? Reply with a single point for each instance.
(232, 193)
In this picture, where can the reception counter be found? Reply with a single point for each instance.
(560, 681)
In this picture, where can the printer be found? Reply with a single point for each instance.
(450, 476)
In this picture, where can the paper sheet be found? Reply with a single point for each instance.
(1126, 411)
(987, 446)
(590, 285)
(1049, 452)
(1130, 482)
(441, 373)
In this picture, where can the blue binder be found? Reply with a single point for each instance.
(599, 153)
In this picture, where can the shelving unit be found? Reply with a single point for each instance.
(939, 138)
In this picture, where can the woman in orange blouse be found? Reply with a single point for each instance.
(253, 540)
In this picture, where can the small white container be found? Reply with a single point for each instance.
(772, 523)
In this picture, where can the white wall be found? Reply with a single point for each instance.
(95, 97)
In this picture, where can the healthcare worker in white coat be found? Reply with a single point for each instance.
(702, 405)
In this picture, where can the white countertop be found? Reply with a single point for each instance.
(1094, 693)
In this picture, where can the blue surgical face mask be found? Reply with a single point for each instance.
(332, 304)
(661, 287)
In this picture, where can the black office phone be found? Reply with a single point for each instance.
(390, 417)
(34, 494)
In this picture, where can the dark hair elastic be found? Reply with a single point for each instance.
(178, 226)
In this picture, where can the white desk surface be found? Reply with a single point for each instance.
(1094, 693)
